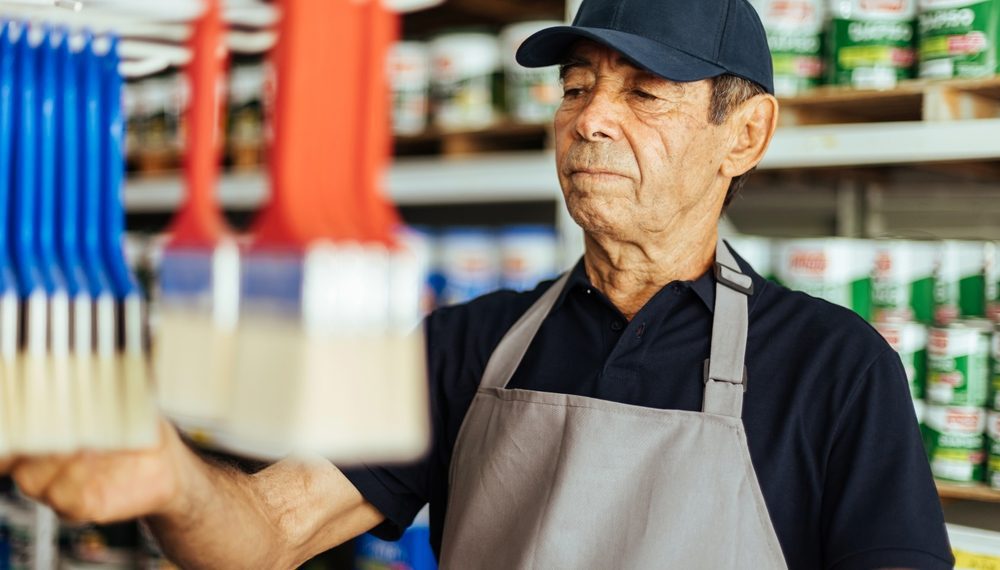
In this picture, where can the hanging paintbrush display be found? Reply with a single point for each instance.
(200, 271)
(72, 367)
(327, 360)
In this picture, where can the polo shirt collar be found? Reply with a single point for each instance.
(704, 286)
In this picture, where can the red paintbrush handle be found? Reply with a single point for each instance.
(315, 158)
(379, 214)
(199, 222)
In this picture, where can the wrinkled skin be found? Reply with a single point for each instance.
(644, 172)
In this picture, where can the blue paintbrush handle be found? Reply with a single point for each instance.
(52, 274)
(7, 87)
(113, 168)
(23, 220)
(90, 166)
(69, 185)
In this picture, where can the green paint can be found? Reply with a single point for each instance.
(958, 38)
(955, 441)
(909, 340)
(795, 36)
(958, 371)
(871, 42)
(995, 369)
(993, 449)
(991, 286)
(903, 281)
(920, 409)
(960, 280)
(836, 269)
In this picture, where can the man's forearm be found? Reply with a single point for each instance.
(217, 521)
(277, 518)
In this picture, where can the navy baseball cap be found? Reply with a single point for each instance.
(679, 40)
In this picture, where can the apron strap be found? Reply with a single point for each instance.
(725, 371)
(508, 354)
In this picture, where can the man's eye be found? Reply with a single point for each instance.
(571, 93)
(643, 95)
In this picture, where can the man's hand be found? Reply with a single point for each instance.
(200, 511)
(111, 486)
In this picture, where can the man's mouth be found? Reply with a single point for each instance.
(595, 172)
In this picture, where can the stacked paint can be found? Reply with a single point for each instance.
(465, 80)
(795, 36)
(409, 70)
(468, 262)
(871, 42)
(909, 340)
(902, 306)
(958, 364)
(960, 285)
(993, 418)
(929, 300)
(835, 269)
(468, 80)
(532, 94)
(958, 38)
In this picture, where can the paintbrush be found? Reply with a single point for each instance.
(61, 423)
(9, 400)
(199, 273)
(138, 416)
(397, 412)
(32, 379)
(289, 292)
(70, 154)
(106, 399)
(313, 341)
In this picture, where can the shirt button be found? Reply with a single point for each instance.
(617, 325)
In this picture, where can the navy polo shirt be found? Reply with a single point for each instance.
(830, 424)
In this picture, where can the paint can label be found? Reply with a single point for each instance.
(837, 270)
(533, 95)
(903, 281)
(958, 38)
(955, 438)
(995, 369)
(960, 282)
(409, 75)
(909, 340)
(993, 448)
(465, 79)
(958, 366)
(871, 42)
(795, 35)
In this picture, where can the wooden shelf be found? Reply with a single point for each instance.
(477, 13)
(978, 492)
(503, 137)
(914, 100)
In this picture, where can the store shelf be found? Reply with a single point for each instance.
(913, 100)
(873, 144)
(530, 176)
(978, 492)
(512, 177)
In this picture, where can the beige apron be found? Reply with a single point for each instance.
(543, 480)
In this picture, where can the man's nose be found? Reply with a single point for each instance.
(600, 117)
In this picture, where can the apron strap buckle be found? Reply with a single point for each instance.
(733, 279)
(708, 377)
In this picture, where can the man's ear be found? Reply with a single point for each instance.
(753, 125)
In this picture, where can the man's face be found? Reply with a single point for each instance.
(636, 154)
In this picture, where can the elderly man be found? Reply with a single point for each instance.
(659, 406)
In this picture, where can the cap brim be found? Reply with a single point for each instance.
(550, 46)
